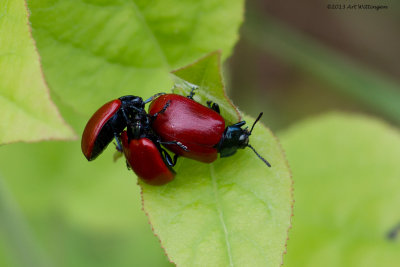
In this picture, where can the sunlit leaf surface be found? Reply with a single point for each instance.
(27, 112)
(97, 50)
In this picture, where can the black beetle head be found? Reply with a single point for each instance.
(235, 137)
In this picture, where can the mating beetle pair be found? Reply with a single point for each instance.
(178, 123)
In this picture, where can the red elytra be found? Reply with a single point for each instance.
(194, 125)
(95, 136)
(146, 160)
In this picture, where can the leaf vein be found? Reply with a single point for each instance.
(91, 53)
(151, 34)
(256, 196)
(221, 214)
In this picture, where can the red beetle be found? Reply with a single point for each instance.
(194, 125)
(199, 128)
(108, 122)
(141, 146)
(184, 126)
(147, 160)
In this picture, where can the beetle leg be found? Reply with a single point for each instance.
(163, 109)
(167, 158)
(128, 166)
(175, 159)
(153, 97)
(239, 124)
(126, 116)
(192, 93)
(118, 145)
(136, 108)
(175, 143)
(213, 106)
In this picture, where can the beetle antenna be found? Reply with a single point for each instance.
(258, 118)
(153, 97)
(258, 155)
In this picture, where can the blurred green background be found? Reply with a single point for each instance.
(293, 60)
(297, 59)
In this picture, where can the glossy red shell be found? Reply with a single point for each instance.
(95, 124)
(194, 125)
(146, 161)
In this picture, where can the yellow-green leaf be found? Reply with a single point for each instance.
(97, 50)
(233, 212)
(27, 112)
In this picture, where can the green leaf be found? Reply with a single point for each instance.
(233, 212)
(204, 75)
(346, 171)
(28, 114)
(78, 213)
(96, 50)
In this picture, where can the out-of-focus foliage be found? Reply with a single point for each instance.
(378, 91)
(96, 50)
(297, 59)
(27, 113)
(233, 212)
(346, 174)
(78, 213)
